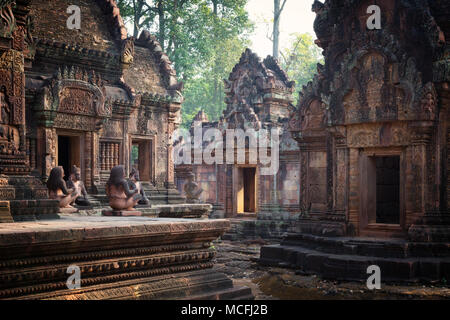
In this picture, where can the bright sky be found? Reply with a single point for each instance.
(296, 17)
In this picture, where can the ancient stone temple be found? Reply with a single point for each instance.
(258, 97)
(93, 98)
(374, 138)
(101, 100)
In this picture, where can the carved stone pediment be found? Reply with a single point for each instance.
(73, 94)
(77, 97)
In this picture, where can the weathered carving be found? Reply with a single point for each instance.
(58, 190)
(74, 100)
(77, 184)
(127, 56)
(7, 21)
(429, 102)
(135, 183)
(251, 84)
(192, 190)
(119, 193)
(75, 122)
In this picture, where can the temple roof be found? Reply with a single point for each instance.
(201, 116)
(269, 68)
(151, 70)
(102, 27)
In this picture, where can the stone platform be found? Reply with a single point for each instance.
(121, 213)
(27, 198)
(348, 258)
(270, 226)
(184, 211)
(119, 258)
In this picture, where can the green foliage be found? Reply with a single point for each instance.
(206, 91)
(301, 58)
(203, 38)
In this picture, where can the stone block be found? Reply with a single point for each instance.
(121, 213)
(5, 214)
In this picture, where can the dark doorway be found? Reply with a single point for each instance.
(388, 189)
(249, 190)
(141, 158)
(68, 153)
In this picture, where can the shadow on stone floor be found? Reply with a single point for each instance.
(239, 261)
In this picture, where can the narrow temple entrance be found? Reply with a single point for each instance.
(246, 190)
(388, 189)
(382, 211)
(141, 158)
(69, 153)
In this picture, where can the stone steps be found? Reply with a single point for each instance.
(369, 247)
(238, 293)
(248, 228)
(354, 267)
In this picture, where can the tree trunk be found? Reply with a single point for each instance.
(162, 23)
(215, 7)
(216, 81)
(276, 28)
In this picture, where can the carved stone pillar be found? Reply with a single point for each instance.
(88, 162)
(50, 142)
(116, 154)
(172, 117)
(102, 156)
(170, 175)
(96, 162)
(353, 188)
(416, 172)
(340, 171)
(426, 222)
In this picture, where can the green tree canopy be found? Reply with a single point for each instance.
(300, 59)
(203, 38)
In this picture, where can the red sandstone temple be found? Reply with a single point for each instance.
(259, 96)
(93, 98)
(374, 138)
(364, 158)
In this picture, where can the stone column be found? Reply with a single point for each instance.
(88, 159)
(416, 172)
(340, 172)
(426, 223)
(96, 149)
(171, 126)
(170, 176)
(354, 189)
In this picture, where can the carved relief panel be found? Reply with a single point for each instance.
(77, 101)
(313, 117)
